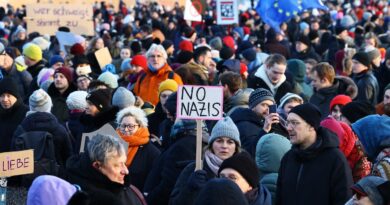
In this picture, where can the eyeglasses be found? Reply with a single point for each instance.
(128, 126)
(293, 123)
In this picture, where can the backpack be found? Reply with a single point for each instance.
(44, 155)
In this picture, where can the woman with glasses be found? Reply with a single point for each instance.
(133, 128)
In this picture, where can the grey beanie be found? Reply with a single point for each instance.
(77, 100)
(225, 128)
(40, 101)
(372, 52)
(123, 98)
(289, 96)
(258, 96)
(216, 43)
(369, 186)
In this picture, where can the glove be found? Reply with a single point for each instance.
(197, 179)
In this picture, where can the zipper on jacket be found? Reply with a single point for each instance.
(298, 178)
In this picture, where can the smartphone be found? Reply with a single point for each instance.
(272, 108)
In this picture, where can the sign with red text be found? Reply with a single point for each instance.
(227, 12)
(200, 102)
(46, 18)
(16, 163)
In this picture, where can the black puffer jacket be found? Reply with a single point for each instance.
(60, 109)
(318, 175)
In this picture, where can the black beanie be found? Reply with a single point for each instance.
(244, 164)
(363, 58)
(305, 40)
(7, 85)
(171, 103)
(226, 53)
(356, 110)
(100, 98)
(167, 43)
(184, 57)
(308, 112)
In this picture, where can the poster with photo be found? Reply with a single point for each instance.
(227, 12)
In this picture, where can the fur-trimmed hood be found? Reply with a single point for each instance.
(346, 86)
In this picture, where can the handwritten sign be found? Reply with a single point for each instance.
(200, 102)
(46, 18)
(103, 57)
(16, 163)
(227, 12)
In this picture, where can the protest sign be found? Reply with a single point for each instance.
(103, 57)
(106, 129)
(193, 10)
(199, 103)
(227, 12)
(46, 18)
(16, 163)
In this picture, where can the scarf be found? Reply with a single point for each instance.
(213, 161)
(139, 138)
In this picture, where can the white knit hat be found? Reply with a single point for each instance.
(109, 79)
(40, 101)
(77, 100)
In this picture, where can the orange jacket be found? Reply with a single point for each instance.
(148, 88)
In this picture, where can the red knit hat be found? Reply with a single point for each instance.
(244, 68)
(186, 46)
(229, 42)
(140, 60)
(77, 49)
(339, 100)
(66, 72)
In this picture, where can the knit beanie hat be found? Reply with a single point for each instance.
(41, 42)
(109, 79)
(66, 72)
(167, 43)
(244, 164)
(356, 110)
(185, 45)
(249, 54)
(125, 65)
(229, 42)
(77, 49)
(304, 39)
(188, 31)
(7, 85)
(77, 100)
(226, 53)
(368, 186)
(32, 51)
(225, 128)
(101, 98)
(140, 60)
(79, 59)
(308, 112)
(40, 101)
(339, 100)
(167, 84)
(258, 96)
(297, 68)
(123, 98)
(216, 43)
(55, 59)
(372, 52)
(303, 25)
(362, 58)
(289, 96)
(184, 56)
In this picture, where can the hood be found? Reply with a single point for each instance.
(245, 115)
(260, 73)
(372, 131)
(347, 86)
(241, 98)
(343, 131)
(325, 140)
(39, 121)
(270, 150)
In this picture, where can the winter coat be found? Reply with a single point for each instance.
(322, 98)
(383, 77)
(155, 119)
(182, 193)
(251, 130)
(60, 109)
(308, 53)
(75, 130)
(23, 80)
(101, 189)
(368, 87)
(9, 120)
(168, 166)
(318, 174)
(43, 121)
(260, 80)
(269, 153)
(34, 71)
(148, 88)
(259, 196)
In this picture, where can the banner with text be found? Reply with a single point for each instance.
(16, 163)
(200, 102)
(227, 12)
(46, 18)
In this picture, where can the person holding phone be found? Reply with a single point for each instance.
(257, 120)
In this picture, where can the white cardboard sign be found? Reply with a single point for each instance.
(227, 12)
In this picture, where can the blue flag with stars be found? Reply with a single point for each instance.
(275, 12)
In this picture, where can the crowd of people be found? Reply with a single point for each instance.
(306, 108)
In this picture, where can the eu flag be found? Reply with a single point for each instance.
(274, 12)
